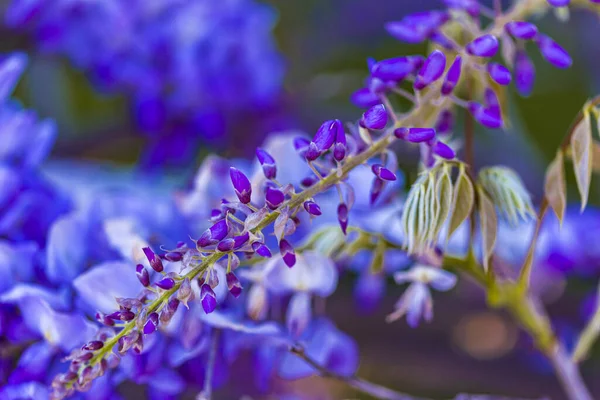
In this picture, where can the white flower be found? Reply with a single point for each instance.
(416, 302)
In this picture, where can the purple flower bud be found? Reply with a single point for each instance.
(452, 77)
(174, 256)
(416, 27)
(339, 149)
(240, 240)
(226, 245)
(312, 208)
(93, 345)
(521, 29)
(445, 122)
(241, 185)
(418, 135)
(483, 46)
(142, 274)
(301, 145)
(208, 299)
(524, 73)
(375, 117)
(83, 357)
(104, 319)
(312, 152)
(126, 315)
(470, 6)
(491, 102)
(376, 189)
(342, 214)
(153, 259)
(383, 173)
(559, 3)
(214, 234)
(393, 69)
(442, 40)
(364, 98)
(443, 150)
(151, 324)
(261, 249)
(274, 197)
(432, 70)
(166, 283)
(326, 134)
(267, 162)
(233, 285)
(287, 253)
(553, 52)
(485, 116)
(499, 73)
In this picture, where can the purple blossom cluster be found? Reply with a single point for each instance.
(190, 69)
(261, 244)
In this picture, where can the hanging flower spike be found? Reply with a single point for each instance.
(261, 249)
(383, 173)
(214, 234)
(241, 185)
(153, 259)
(416, 302)
(208, 298)
(483, 46)
(521, 30)
(416, 27)
(499, 73)
(452, 77)
(375, 117)
(342, 214)
(274, 197)
(524, 73)
(233, 285)
(267, 162)
(553, 52)
(339, 149)
(312, 208)
(431, 71)
(287, 253)
(142, 274)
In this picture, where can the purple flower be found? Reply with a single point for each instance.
(553, 52)
(166, 283)
(415, 135)
(312, 208)
(325, 136)
(393, 69)
(233, 285)
(416, 27)
(521, 29)
(174, 256)
(485, 116)
(364, 98)
(274, 197)
(499, 73)
(383, 173)
(470, 6)
(267, 162)
(339, 149)
(261, 249)
(559, 3)
(452, 76)
(445, 122)
(142, 274)
(153, 259)
(342, 215)
(151, 324)
(524, 73)
(443, 150)
(483, 46)
(416, 302)
(215, 233)
(432, 70)
(241, 185)
(287, 253)
(375, 117)
(208, 299)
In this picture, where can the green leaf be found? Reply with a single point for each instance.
(555, 186)
(581, 147)
(489, 225)
(463, 201)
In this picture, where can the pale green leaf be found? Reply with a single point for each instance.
(463, 201)
(555, 186)
(489, 225)
(581, 148)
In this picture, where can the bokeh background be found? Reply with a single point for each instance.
(323, 47)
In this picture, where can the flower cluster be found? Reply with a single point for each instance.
(189, 68)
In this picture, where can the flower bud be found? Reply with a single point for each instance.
(241, 185)
(483, 46)
(375, 117)
(274, 197)
(233, 285)
(153, 259)
(267, 162)
(287, 253)
(312, 208)
(432, 70)
(208, 298)
(142, 274)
